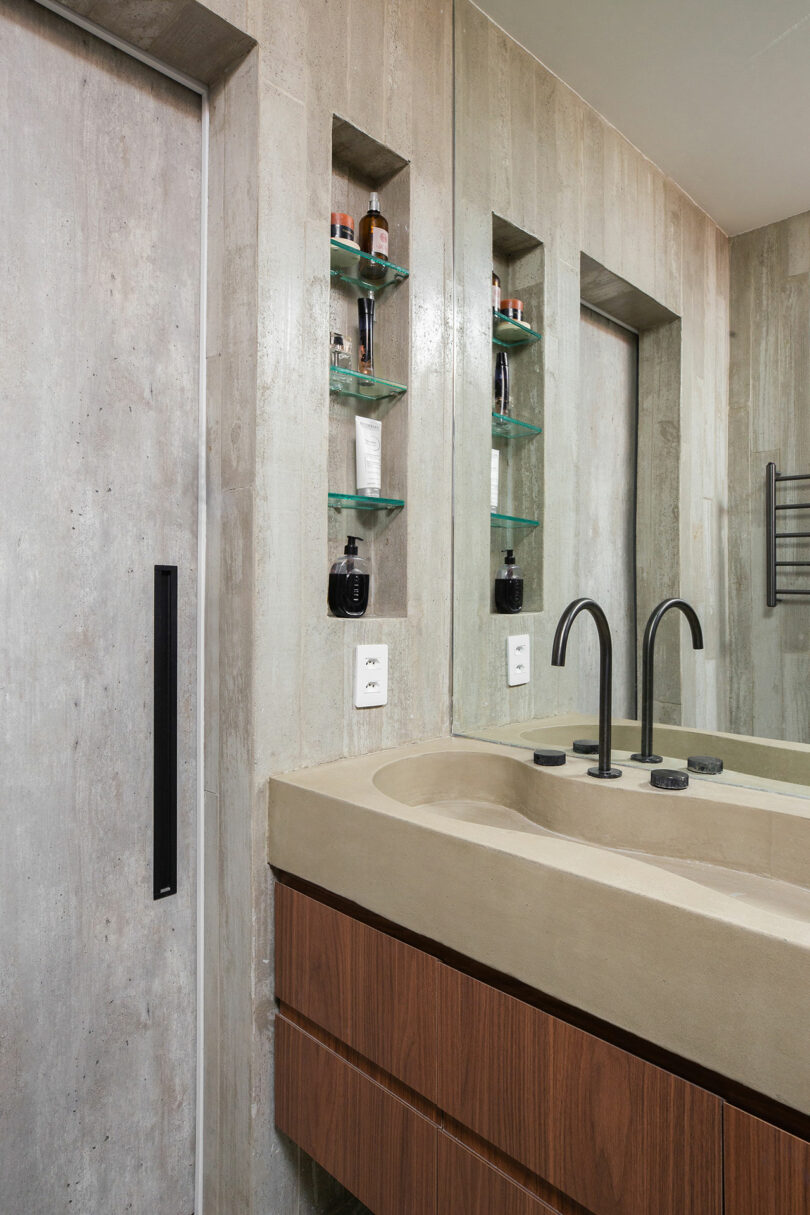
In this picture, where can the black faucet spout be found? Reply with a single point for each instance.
(646, 754)
(604, 770)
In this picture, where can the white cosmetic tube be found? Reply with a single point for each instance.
(368, 443)
(493, 480)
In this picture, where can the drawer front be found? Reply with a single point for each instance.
(371, 1142)
(469, 1186)
(616, 1134)
(767, 1171)
(366, 988)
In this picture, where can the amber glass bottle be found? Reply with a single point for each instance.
(373, 236)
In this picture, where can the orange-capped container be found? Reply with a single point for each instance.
(513, 309)
(342, 226)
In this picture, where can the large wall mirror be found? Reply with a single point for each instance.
(616, 405)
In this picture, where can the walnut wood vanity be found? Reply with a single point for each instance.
(428, 1085)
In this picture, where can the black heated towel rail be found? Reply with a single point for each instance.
(773, 478)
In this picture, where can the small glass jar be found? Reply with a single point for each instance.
(340, 351)
(342, 226)
(513, 309)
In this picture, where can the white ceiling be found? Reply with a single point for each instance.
(715, 92)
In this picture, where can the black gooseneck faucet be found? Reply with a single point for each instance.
(568, 617)
(646, 755)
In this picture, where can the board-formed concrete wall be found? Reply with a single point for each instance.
(769, 652)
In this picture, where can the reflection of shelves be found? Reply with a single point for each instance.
(358, 502)
(365, 387)
(505, 427)
(511, 522)
(348, 266)
(506, 332)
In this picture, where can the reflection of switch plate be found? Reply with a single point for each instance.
(370, 676)
(518, 660)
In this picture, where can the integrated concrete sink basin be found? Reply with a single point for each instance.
(761, 857)
(682, 917)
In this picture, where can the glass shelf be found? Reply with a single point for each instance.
(506, 427)
(511, 521)
(348, 265)
(358, 502)
(364, 387)
(508, 333)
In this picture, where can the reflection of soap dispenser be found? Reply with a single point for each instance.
(348, 582)
(509, 586)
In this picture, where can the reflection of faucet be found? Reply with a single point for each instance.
(645, 755)
(605, 673)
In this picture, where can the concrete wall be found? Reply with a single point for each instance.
(769, 655)
(531, 151)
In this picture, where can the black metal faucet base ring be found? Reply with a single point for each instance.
(647, 759)
(605, 773)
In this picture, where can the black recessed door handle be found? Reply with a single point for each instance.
(164, 868)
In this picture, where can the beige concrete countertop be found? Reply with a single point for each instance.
(681, 917)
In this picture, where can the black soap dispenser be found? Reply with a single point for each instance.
(509, 586)
(348, 582)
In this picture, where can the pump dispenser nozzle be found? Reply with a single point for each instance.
(351, 548)
(510, 556)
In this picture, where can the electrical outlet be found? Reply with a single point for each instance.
(370, 676)
(518, 659)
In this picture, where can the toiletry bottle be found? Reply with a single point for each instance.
(348, 582)
(509, 585)
(496, 292)
(494, 471)
(502, 383)
(365, 337)
(373, 237)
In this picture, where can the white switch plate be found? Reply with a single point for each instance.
(518, 659)
(370, 676)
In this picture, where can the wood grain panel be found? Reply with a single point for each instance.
(313, 960)
(467, 1185)
(395, 1007)
(767, 1171)
(372, 1143)
(373, 992)
(614, 1133)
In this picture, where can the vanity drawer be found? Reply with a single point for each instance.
(375, 1145)
(467, 1185)
(366, 988)
(767, 1171)
(615, 1133)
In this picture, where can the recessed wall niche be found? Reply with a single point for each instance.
(361, 165)
(518, 260)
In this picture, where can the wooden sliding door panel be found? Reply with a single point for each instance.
(616, 1134)
(373, 992)
(469, 1186)
(380, 1149)
(767, 1171)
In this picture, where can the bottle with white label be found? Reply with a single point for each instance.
(374, 239)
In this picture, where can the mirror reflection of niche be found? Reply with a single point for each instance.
(628, 483)
(604, 502)
(518, 260)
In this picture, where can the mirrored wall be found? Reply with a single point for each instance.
(607, 440)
